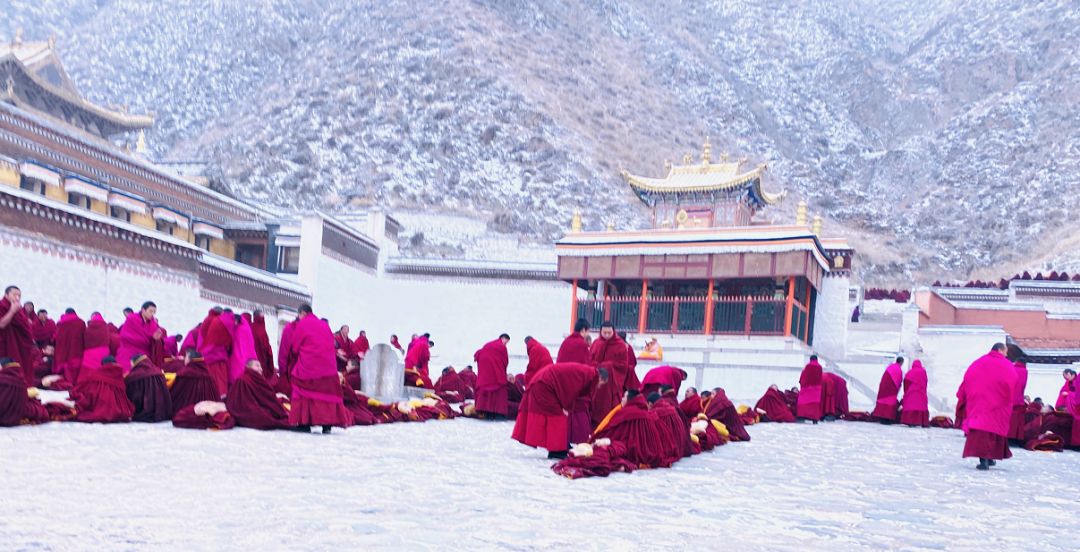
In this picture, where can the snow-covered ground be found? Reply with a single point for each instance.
(463, 484)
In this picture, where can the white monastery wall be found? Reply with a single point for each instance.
(946, 352)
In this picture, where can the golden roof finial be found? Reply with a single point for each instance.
(18, 37)
(706, 152)
(610, 225)
(575, 222)
(688, 158)
(800, 213)
(816, 227)
(140, 144)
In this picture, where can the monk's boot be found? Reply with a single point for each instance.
(992, 462)
(984, 464)
(302, 429)
(557, 454)
(325, 429)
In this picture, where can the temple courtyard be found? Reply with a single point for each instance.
(463, 484)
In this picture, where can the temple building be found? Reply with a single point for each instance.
(709, 266)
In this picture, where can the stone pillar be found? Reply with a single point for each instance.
(909, 331)
(831, 316)
(382, 373)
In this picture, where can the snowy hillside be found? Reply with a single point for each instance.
(942, 135)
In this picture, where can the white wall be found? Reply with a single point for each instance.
(946, 352)
(831, 317)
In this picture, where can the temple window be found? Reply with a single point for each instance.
(203, 242)
(289, 260)
(119, 213)
(79, 200)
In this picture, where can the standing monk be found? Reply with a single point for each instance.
(632, 380)
(916, 411)
(316, 388)
(575, 348)
(539, 357)
(416, 362)
(262, 347)
(810, 394)
(542, 417)
(887, 404)
(987, 392)
(1019, 408)
(1068, 388)
(215, 341)
(16, 333)
(609, 352)
(491, 362)
(69, 346)
(137, 335)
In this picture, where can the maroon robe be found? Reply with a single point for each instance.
(193, 384)
(721, 408)
(316, 389)
(17, 340)
(542, 417)
(354, 379)
(1067, 388)
(602, 462)
(15, 406)
(691, 406)
(671, 423)
(146, 389)
(774, 408)
(450, 387)
(67, 358)
(262, 348)
(661, 376)
(916, 410)
(539, 357)
(468, 377)
(888, 407)
(136, 338)
(988, 389)
(343, 345)
(574, 349)
(215, 343)
(44, 331)
(635, 426)
(1019, 407)
(810, 392)
(416, 364)
(252, 403)
(101, 397)
(632, 381)
(515, 391)
(361, 346)
(609, 354)
(186, 418)
(491, 362)
(836, 402)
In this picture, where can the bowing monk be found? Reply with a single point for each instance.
(146, 389)
(887, 409)
(542, 419)
(539, 357)
(661, 376)
(16, 333)
(632, 424)
(773, 408)
(836, 397)
(138, 334)
(212, 415)
(609, 352)
(69, 346)
(1019, 403)
(100, 396)
(193, 383)
(449, 387)
(252, 402)
(1067, 388)
(916, 410)
(575, 348)
(987, 392)
(416, 362)
(316, 389)
(215, 343)
(719, 407)
(491, 362)
(810, 391)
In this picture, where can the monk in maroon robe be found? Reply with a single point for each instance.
(542, 417)
(16, 407)
(343, 347)
(836, 401)
(361, 346)
(661, 376)
(449, 387)
(635, 426)
(252, 402)
(691, 404)
(539, 357)
(720, 408)
(772, 407)
(916, 410)
(44, 329)
(211, 415)
(416, 363)
(100, 396)
(1067, 388)
(69, 346)
(468, 377)
(987, 389)
(193, 383)
(632, 380)
(352, 373)
(16, 333)
(888, 406)
(601, 461)
(491, 362)
(1019, 409)
(262, 347)
(609, 352)
(672, 423)
(316, 389)
(138, 335)
(215, 346)
(515, 391)
(146, 389)
(357, 405)
(810, 391)
(575, 348)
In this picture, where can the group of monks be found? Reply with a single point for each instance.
(225, 375)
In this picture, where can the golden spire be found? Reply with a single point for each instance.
(706, 152)
(575, 222)
(140, 144)
(816, 226)
(688, 158)
(610, 225)
(800, 213)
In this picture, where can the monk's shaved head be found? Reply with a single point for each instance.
(999, 347)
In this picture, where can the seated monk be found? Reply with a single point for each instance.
(100, 396)
(146, 389)
(352, 373)
(720, 408)
(671, 422)
(663, 375)
(598, 459)
(16, 405)
(211, 415)
(632, 424)
(449, 386)
(652, 351)
(515, 390)
(253, 403)
(542, 419)
(772, 407)
(468, 377)
(691, 404)
(193, 383)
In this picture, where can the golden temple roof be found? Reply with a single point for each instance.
(705, 176)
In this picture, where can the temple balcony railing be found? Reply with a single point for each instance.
(728, 315)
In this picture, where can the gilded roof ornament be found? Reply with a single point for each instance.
(800, 213)
(706, 152)
(688, 158)
(816, 227)
(140, 144)
(575, 222)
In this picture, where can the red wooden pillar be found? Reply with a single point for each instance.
(709, 310)
(607, 303)
(789, 306)
(749, 314)
(643, 308)
(675, 314)
(573, 305)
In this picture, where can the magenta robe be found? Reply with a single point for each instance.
(810, 392)
(316, 389)
(888, 390)
(136, 338)
(916, 411)
(660, 376)
(243, 350)
(988, 391)
(491, 362)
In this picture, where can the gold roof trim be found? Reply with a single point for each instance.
(702, 178)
